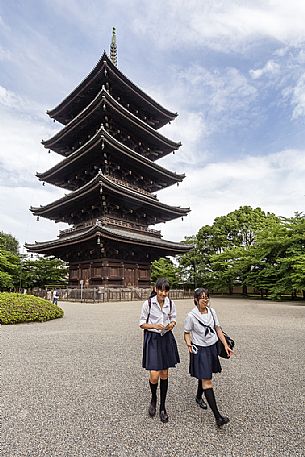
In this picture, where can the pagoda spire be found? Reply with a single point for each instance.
(113, 48)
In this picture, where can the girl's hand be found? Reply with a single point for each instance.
(229, 351)
(170, 326)
(159, 326)
(189, 346)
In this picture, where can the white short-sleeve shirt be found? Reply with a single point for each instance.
(191, 325)
(157, 315)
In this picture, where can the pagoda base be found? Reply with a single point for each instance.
(109, 273)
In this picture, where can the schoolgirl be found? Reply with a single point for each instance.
(201, 333)
(158, 318)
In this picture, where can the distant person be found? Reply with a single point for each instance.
(49, 295)
(158, 318)
(201, 333)
(55, 297)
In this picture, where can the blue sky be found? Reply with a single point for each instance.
(233, 70)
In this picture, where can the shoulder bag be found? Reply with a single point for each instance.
(220, 346)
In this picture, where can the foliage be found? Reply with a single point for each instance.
(279, 258)
(248, 247)
(16, 308)
(164, 268)
(215, 261)
(6, 280)
(9, 269)
(9, 243)
(43, 271)
(18, 271)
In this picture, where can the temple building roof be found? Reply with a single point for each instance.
(119, 235)
(85, 161)
(90, 120)
(106, 72)
(89, 198)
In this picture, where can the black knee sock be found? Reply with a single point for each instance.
(199, 389)
(210, 397)
(153, 388)
(163, 392)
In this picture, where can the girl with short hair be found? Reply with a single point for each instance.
(201, 333)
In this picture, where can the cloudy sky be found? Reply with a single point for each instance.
(234, 70)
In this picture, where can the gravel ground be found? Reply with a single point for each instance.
(75, 386)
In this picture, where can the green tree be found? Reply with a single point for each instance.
(43, 271)
(220, 256)
(188, 263)
(164, 268)
(9, 243)
(9, 261)
(279, 258)
(9, 269)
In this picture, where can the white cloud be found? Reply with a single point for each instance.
(17, 218)
(5, 54)
(21, 152)
(23, 126)
(191, 130)
(270, 68)
(274, 183)
(298, 98)
(224, 97)
(223, 26)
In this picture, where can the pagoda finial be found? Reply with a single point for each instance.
(113, 49)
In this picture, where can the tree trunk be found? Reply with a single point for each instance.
(245, 290)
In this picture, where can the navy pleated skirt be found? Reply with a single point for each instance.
(205, 362)
(159, 352)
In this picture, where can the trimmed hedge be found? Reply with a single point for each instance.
(16, 308)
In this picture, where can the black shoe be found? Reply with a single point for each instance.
(222, 420)
(200, 402)
(163, 416)
(152, 409)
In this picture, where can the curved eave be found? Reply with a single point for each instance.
(102, 181)
(96, 139)
(105, 61)
(101, 97)
(118, 235)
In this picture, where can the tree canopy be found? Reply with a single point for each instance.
(248, 247)
(9, 243)
(20, 271)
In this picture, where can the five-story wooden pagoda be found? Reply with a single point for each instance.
(110, 143)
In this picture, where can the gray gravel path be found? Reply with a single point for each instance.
(75, 386)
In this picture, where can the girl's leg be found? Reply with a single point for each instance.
(199, 400)
(153, 383)
(163, 393)
(210, 398)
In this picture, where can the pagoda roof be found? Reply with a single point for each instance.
(91, 114)
(89, 194)
(80, 96)
(115, 234)
(59, 174)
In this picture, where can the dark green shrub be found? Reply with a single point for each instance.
(16, 308)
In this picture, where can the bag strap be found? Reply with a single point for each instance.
(213, 317)
(149, 308)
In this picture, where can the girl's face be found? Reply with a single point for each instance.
(203, 302)
(161, 294)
